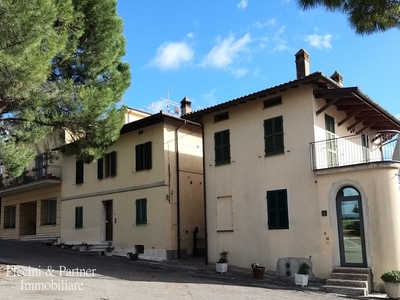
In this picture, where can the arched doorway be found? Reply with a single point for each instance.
(351, 228)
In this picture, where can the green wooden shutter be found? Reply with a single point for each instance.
(273, 135)
(147, 156)
(139, 154)
(222, 147)
(141, 211)
(227, 146)
(278, 131)
(218, 147)
(268, 136)
(277, 207)
(137, 212)
(100, 164)
(79, 172)
(144, 211)
(113, 164)
(271, 206)
(282, 212)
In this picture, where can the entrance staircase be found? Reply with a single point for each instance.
(349, 281)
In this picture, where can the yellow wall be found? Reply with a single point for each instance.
(27, 212)
(158, 185)
(250, 175)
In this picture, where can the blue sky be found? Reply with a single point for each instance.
(215, 51)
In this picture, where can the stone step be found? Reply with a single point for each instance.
(97, 247)
(352, 291)
(352, 270)
(350, 276)
(345, 283)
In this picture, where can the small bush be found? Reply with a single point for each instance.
(223, 256)
(133, 256)
(391, 276)
(304, 269)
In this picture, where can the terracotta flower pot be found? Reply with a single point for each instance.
(258, 272)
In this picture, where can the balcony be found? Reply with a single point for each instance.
(380, 146)
(31, 179)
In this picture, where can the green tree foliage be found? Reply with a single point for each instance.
(60, 70)
(365, 16)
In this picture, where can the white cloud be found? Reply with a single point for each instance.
(190, 35)
(267, 23)
(209, 99)
(242, 4)
(239, 72)
(172, 55)
(223, 54)
(280, 43)
(319, 41)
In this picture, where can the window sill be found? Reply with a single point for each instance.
(222, 163)
(274, 153)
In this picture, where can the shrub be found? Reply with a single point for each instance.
(304, 269)
(391, 276)
(223, 256)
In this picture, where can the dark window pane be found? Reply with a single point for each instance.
(113, 163)
(79, 172)
(100, 163)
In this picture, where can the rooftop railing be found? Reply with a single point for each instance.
(32, 175)
(356, 149)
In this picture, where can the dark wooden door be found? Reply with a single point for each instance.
(108, 205)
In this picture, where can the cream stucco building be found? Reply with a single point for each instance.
(145, 195)
(30, 203)
(306, 169)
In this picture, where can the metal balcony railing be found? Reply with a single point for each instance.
(32, 175)
(356, 149)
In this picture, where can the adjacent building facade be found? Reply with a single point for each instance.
(306, 169)
(30, 203)
(145, 195)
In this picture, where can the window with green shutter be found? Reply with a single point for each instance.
(273, 136)
(79, 217)
(141, 211)
(278, 216)
(222, 147)
(79, 172)
(143, 156)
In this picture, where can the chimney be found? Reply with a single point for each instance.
(338, 78)
(302, 63)
(186, 106)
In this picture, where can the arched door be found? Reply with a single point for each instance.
(351, 228)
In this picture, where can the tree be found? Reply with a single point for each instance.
(365, 16)
(60, 71)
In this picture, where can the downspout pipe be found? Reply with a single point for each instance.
(204, 195)
(178, 197)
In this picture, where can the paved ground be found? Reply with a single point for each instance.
(35, 271)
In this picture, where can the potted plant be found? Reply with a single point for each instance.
(301, 277)
(258, 271)
(109, 250)
(132, 256)
(392, 283)
(83, 247)
(221, 265)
